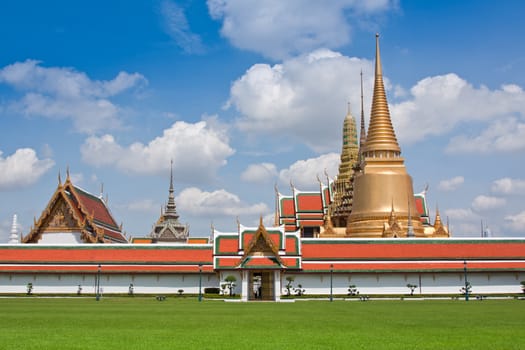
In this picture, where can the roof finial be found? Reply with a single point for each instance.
(171, 208)
(68, 178)
(59, 178)
(171, 175)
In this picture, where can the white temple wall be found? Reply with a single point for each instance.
(396, 283)
(109, 283)
(62, 238)
(314, 284)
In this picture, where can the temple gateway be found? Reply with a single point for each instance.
(365, 231)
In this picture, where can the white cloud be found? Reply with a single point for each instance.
(461, 214)
(143, 205)
(259, 173)
(438, 104)
(302, 99)
(76, 178)
(482, 203)
(516, 222)
(451, 184)
(197, 150)
(303, 173)
(504, 135)
(280, 29)
(220, 202)
(177, 27)
(22, 168)
(64, 93)
(508, 186)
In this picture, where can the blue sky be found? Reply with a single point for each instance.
(243, 95)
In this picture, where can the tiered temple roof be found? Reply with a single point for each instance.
(168, 228)
(77, 214)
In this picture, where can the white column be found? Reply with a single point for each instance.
(277, 285)
(244, 285)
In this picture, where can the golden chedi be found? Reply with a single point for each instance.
(382, 188)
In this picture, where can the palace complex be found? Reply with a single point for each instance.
(363, 231)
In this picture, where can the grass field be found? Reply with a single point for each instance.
(177, 323)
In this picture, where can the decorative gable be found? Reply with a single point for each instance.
(73, 211)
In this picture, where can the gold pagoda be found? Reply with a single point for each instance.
(383, 197)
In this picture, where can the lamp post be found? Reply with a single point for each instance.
(466, 282)
(200, 282)
(331, 282)
(97, 283)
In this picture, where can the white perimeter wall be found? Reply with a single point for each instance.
(109, 283)
(396, 283)
(367, 283)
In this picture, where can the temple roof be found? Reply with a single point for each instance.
(168, 228)
(72, 209)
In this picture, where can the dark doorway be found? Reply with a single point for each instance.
(261, 285)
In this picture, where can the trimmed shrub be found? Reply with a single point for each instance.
(212, 290)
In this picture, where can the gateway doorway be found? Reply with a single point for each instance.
(261, 285)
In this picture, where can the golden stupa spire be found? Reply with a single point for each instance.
(381, 140)
(362, 133)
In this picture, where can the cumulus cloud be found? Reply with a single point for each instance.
(507, 185)
(259, 173)
(64, 93)
(504, 135)
(482, 203)
(143, 205)
(303, 98)
(22, 168)
(437, 105)
(220, 202)
(516, 222)
(303, 173)
(451, 184)
(280, 29)
(197, 150)
(461, 214)
(177, 27)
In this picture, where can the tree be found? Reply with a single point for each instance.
(467, 290)
(352, 290)
(412, 287)
(29, 288)
(299, 290)
(230, 283)
(288, 286)
(523, 286)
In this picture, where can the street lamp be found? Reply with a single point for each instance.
(97, 283)
(200, 282)
(466, 282)
(331, 282)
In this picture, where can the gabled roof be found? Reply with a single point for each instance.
(262, 250)
(73, 209)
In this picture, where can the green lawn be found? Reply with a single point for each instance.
(177, 323)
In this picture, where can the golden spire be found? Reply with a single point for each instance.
(381, 140)
(350, 149)
(362, 133)
(438, 222)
